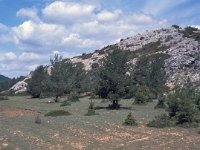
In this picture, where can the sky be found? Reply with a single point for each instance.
(33, 31)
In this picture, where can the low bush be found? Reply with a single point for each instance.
(55, 113)
(2, 98)
(73, 97)
(143, 95)
(130, 120)
(93, 96)
(65, 103)
(161, 103)
(181, 105)
(160, 121)
(38, 119)
(91, 110)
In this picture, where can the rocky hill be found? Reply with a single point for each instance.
(182, 46)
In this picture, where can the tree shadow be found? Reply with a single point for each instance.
(110, 108)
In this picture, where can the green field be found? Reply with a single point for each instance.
(18, 129)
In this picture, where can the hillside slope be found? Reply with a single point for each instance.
(2, 77)
(182, 46)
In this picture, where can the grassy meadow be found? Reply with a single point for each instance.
(104, 131)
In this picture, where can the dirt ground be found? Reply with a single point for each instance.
(78, 132)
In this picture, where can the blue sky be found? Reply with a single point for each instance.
(32, 31)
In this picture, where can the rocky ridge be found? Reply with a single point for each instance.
(182, 45)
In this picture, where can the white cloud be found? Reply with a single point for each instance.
(109, 16)
(63, 54)
(10, 56)
(67, 12)
(3, 28)
(30, 13)
(142, 18)
(30, 57)
(39, 37)
(32, 67)
(7, 56)
(75, 40)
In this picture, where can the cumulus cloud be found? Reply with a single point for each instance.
(30, 13)
(109, 16)
(67, 12)
(40, 37)
(10, 56)
(3, 28)
(75, 40)
(32, 67)
(31, 57)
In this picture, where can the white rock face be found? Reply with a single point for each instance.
(88, 62)
(184, 61)
(20, 86)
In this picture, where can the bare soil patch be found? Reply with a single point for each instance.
(17, 112)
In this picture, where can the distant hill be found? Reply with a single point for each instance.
(2, 78)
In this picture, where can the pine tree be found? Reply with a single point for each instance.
(35, 84)
(58, 81)
(112, 76)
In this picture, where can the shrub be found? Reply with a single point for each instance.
(93, 96)
(161, 103)
(197, 101)
(191, 32)
(38, 119)
(160, 121)
(85, 56)
(35, 83)
(176, 26)
(91, 110)
(65, 103)
(181, 105)
(130, 121)
(55, 113)
(2, 98)
(143, 95)
(73, 97)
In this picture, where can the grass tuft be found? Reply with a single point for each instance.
(130, 120)
(91, 110)
(3, 98)
(38, 119)
(160, 121)
(56, 113)
(65, 103)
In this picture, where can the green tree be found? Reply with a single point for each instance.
(58, 81)
(143, 95)
(79, 79)
(112, 76)
(35, 84)
(182, 106)
(150, 71)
